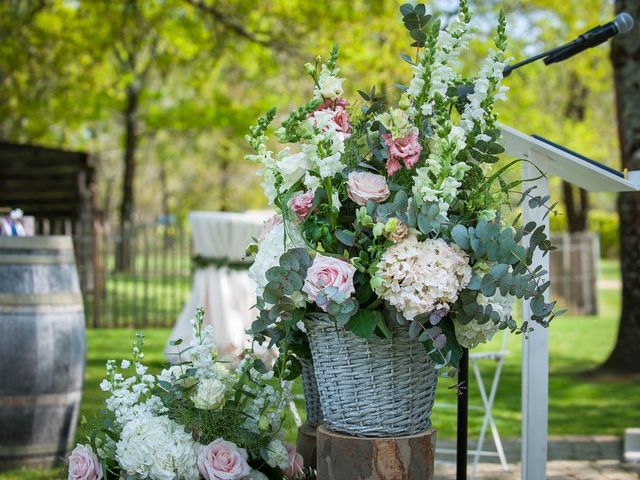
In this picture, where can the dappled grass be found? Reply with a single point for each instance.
(579, 404)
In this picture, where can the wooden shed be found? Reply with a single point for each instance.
(57, 187)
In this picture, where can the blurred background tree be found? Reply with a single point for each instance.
(161, 93)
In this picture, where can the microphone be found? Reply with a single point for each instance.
(600, 34)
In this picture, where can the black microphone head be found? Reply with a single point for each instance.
(623, 22)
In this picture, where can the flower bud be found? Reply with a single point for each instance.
(309, 68)
(263, 424)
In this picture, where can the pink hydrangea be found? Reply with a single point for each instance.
(404, 150)
(301, 203)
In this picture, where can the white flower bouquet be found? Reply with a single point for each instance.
(194, 420)
(398, 213)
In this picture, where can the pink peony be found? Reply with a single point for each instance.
(365, 186)
(84, 464)
(222, 460)
(328, 272)
(273, 221)
(301, 203)
(406, 150)
(296, 463)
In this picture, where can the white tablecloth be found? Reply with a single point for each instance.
(226, 294)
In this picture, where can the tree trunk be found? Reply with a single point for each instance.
(123, 258)
(577, 208)
(625, 55)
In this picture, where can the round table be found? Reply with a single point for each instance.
(222, 287)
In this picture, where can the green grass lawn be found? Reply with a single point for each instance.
(579, 403)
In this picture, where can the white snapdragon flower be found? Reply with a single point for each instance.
(329, 84)
(329, 166)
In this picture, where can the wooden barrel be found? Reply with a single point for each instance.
(42, 350)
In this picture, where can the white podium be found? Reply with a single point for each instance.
(552, 159)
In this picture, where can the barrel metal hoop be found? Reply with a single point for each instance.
(37, 259)
(41, 399)
(53, 242)
(39, 299)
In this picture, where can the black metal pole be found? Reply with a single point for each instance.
(463, 416)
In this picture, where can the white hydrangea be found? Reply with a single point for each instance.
(277, 455)
(210, 394)
(269, 252)
(416, 277)
(157, 448)
(473, 334)
(329, 84)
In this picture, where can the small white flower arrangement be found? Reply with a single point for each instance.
(195, 419)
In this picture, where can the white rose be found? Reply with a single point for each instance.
(277, 455)
(209, 395)
(365, 186)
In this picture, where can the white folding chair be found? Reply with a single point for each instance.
(487, 407)
(487, 403)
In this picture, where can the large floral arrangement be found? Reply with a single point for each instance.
(398, 213)
(196, 419)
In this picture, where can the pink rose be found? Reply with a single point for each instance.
(274, 221)
(328, 272)
(222, 460)
(365, 186)
(84, 464)
(406, 150)
(301, 203)
(296, 463)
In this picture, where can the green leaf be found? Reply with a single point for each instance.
(346, 237)
(407, 59)
(406, 9)
(461, 236)
(418, 35)
(364, 323)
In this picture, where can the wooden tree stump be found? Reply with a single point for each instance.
(342, 457)
(306, 444)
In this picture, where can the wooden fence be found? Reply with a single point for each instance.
(151, 293)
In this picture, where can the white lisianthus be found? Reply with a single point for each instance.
(277, 455)
(210, 394)
(329, 84)
(176, 375)
(157, 448)
(292, 167)
(416, 277)
(311, 181)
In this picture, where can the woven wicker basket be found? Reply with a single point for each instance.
(376, 388)
(310, 390)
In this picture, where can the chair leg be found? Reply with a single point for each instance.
(499, 448)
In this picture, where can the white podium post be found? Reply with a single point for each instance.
(535, 346)
(574, 168)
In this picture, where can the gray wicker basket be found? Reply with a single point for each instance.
(376, 388)
(310, 390)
